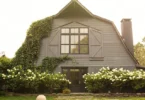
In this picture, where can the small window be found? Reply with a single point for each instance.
(84, 49)
(74, 49)
(65, 30)
(65, 39)
(74, 39)
(83, 39)
(64, 48)
(83, 30)
(74, 30)
(74, 70)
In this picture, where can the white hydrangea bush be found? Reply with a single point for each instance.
(19, 80)
(119, 79)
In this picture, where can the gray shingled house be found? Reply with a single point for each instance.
(93, 42)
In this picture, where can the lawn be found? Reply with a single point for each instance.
(71, 98)
(121, 98)
(21, 98)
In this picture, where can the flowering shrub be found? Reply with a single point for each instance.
(115, 80)
(5, 63)
(28, 81)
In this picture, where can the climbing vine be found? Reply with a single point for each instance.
(50, 63)
(28, 53)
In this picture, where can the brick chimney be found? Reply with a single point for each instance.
(126, 30)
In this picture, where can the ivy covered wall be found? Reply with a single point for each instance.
(28, 53)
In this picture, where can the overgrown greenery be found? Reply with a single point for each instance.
(49, 64)
(28, 81)
(24, 76)
(139, 52)
(115, 80)
(28, 53)
(5, 63)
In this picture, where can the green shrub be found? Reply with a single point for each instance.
(5, 63)
(115, 80)
(28, 81)
(97, 82)
(66, 91)
(2, 93)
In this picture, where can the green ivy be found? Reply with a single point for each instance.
(50, 63)
(28, 53)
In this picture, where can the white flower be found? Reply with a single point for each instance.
(4, 76)
(29, 70)
(8, 70)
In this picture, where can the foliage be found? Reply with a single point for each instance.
(50, 63)
(139, 52)
(5, 63)
(66, 91)
(2, 93)
(28, 53)
(28, 81)
(115, 80)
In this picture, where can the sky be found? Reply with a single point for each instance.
(17, 15)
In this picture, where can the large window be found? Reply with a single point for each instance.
(74, 40)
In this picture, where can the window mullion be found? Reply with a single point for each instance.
(69, 42)
(79, 41)
(79, 44)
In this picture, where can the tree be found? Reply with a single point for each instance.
(139, 52)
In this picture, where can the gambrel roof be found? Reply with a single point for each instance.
(74, 7)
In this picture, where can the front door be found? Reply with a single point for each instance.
(75, 75)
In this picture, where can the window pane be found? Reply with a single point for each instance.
(74, 39)
(83, 30)
(64, 48)
(65, 30)
(83, 39)
(74, 73)
(74, 30)
(84, 49)
(74, 70)
(64, 39)
(74, 49)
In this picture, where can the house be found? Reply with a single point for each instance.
(93, 42)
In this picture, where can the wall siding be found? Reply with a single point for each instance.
(113, 52)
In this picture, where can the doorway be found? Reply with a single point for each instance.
(75, 76)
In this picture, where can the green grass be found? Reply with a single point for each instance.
(99, 98)
(120, 98)
(70, 98)
(21, 98)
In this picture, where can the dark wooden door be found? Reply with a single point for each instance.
(75, 75)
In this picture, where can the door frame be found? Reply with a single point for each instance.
(81, 86)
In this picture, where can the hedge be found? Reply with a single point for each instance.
(115, 80)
